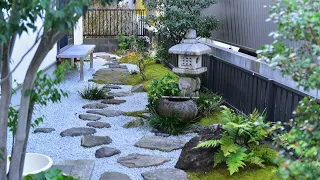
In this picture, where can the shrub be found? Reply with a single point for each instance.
(92, 93)
(207, 103)
(239, 133)
(132, 43)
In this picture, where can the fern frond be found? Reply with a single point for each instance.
(228, 146)
(257, 161)
(208, 144)
(235, 160)
(218, 158)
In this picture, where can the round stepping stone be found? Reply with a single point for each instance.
(120, 94)
(92, 141)
(106, 152)
(110, 86)
(142, 160)
(113, 101)
(89, 117)
(95, 106)
(160, 143)
(107, 113)
(43, 130)
(165, 174)
(80, 131)
(114, 176)
(98, 125)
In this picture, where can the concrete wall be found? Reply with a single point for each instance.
(102, 44)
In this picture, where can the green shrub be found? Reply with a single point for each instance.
(92, 93)
(132, 43)
(52, 174)
(239, 132)
(207, 103)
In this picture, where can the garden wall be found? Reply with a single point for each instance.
(102, 44)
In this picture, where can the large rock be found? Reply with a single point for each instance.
(98, 125)
(44, 130)
(165, 174)
(107, 113)
(114, 176)
(160, 143)
(92, 141)
(79, 131)
(106, 152)
(142, 160)
(192, 158)
(134, 123)
(89, 117)
(95, 106)
(138, 88)
(120, 94)
(113, 101)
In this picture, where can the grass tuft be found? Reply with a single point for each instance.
(92, 93)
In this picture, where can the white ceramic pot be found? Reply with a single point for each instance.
(35, 163)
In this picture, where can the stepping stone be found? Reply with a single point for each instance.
(116, 66)
(111, 63)
(112, 76)
(160, 143)
(81, 169)
(138, 88)
(165, 174)
(142, 160)
(113, 101)
(89, 117)
(108, 97)
(80, 131)
(105, 90)
(92, 141)
(112, 86)
(120, 94)
(95, 106)
(98, 125)
(162, 134)
(43, 130)
(107, 113)
(114, 176)
(134, 123)
(106, 152)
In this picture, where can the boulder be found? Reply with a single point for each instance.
(165, 174)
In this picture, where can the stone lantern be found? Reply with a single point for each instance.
(190, 68)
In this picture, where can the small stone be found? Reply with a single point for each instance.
(98, 125)
(113, 101)
(110, 86)
(134, 123)
(89, 117)
(142, 160)
(80, 131)
(107, 113)
(160, 143)
(138, 88)
(106, 152)
(165, 174)
(95, 106)
(44, 130)
(162, 134)
(105, 90)
(120, 94)
(114, 176)
(92, 141)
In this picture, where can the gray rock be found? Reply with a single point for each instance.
(113, 101)
(98, 125)
(95, 106)
(44, 130)
(105, 90)
(114, 176)
(160, 143)
(106, 152)
(80, 131)
(108, 97)
(110, 86)
(107, 113)
(134, 123)
(138, 88)
(89, 117)
(111, 63)
(165, 174)
(162, 134)
(142, 160)
(92, 141)
(117, 66)
(120, 94)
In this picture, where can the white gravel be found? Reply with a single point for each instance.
(65, 115)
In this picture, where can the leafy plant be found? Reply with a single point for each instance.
(52, 174)
(122, 44)
(92, 92)
(239, 133)
(166, 86)
(207, 103)
(132, 43)
(162, 53)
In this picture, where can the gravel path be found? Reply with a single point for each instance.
(64, 115)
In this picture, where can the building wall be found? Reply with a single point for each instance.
(78, 33)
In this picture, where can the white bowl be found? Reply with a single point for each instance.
(35, 163)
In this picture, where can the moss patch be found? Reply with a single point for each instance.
(211, 119)
(135, 113)
(249, 173)
(265, 152)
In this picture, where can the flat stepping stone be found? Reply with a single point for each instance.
(110, 86)
(95, 106)
(134, 123)
(81, 169)
(98, 125)
(142, 160)
(107, 113)
(44, 130)
(111, 63)
(106, 152)
(92, 141)
(110, 75)
(165, 174)
(89, 117)
(117, 66)
(114, 176)
(138, 88)
(113, 101)
(120, 94)
(80, 131)
(160, 143)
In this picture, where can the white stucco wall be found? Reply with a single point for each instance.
(78, 33)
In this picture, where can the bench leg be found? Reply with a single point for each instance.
(81, 70)
(72, 62)
(91, 60)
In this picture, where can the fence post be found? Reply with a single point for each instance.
(270, 100)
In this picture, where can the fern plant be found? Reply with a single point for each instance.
(239, 132)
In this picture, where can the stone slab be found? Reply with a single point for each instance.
(89, 117)
(113, 101)
(160, 143)
(92, 141)
(79, 131)
(107, 113)
(142, 160)
(95, 106)
(81, 168)
(165, 174)
(44, 130)
(114, 176)
(106, 152)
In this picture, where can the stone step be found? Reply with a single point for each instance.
(142, 160)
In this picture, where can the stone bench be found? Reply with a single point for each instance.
(75, 52)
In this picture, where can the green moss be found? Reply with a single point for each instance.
(211, 119)
(265, 152)
(136, 113)
(249, 173)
